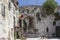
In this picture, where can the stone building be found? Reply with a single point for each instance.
(43, 24)
(8, 11)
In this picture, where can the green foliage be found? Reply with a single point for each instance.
(49, 6)
(12, 0)
(25, 25)
(57, 16)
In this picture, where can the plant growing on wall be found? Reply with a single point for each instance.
(49, 7)
(12, 0)
(24, 24)
(57, 16)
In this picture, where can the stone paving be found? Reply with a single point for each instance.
(41, 39)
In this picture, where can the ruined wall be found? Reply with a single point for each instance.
(43, 23)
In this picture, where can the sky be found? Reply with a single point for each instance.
(34, 2)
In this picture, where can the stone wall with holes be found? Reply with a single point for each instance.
(44, 24)
(2, 23)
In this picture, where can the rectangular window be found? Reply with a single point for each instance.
(3, 10)
(9, 6)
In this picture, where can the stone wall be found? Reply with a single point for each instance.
(44, 23)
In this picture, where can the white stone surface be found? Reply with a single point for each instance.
(58, 23)
(39, 39)
(44, 23)
(2, 34)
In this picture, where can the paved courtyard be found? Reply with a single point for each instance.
(40, 39)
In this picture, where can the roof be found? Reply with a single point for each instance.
(31, 6)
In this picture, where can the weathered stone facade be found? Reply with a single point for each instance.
(7, 13)
(44, 23)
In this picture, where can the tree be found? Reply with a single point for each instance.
(49, 7)
(57, 16)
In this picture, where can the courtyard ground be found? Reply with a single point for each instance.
(40, 39)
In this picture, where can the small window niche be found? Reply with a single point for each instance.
(54, 22)
(47, 29)
(3, 10)
(9, 6)
(38, 16)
